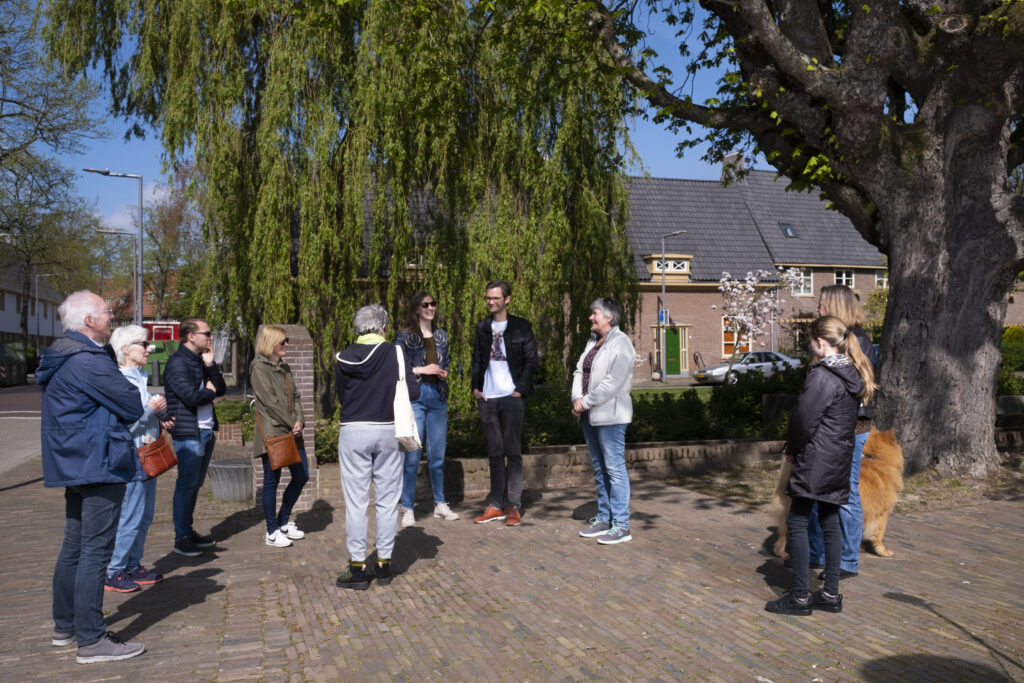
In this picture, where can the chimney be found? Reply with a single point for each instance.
(732, 166)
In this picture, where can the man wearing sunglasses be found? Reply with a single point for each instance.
(191, 381)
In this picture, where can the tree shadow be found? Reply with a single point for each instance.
(924, 667)
(998, 655)
(411, 544)
(159, 601)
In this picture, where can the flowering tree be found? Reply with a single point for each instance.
(752, 303)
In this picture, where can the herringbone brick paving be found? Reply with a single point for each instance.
(683, 601)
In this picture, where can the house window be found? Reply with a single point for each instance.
(3, 300)
(881, 279)
(729, 344)
(805, 287)
(46, 310)
(31, 306)
(109, 300)
(844, 277)
(672, 266)
(787, 230)
(123, 300)
(151, 297)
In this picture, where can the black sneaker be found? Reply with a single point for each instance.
(187, 548)
(200, 540)
(384, 573)
(826, 604)
(354, 577)
(789, 604)
(843, 574)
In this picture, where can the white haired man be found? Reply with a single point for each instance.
(87, 409)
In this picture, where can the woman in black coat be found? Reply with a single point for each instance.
(819, 445)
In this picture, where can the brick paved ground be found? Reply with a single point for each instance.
(684, 600)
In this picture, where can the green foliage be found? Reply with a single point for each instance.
(236, 411)
(356, 152)
(327, 439)
(1009, 383)
(1013, 333)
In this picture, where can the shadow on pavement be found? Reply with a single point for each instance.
(157, 602)
(317, 519)
(924, 667)
(24, 483)
(236, 523)
(411, 544)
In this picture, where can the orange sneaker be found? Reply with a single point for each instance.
(490, 514)
(513, 516)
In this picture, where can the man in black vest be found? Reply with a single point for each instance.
(191, 381)
(504, 362)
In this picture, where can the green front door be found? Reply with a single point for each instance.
(672, 346)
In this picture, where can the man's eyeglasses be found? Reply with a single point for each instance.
(428, 304)
(492, 299)
(208, 333)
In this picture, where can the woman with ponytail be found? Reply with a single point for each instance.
(819, 445)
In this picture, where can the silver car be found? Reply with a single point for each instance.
(761, 361)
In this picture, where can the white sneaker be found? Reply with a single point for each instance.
(442, 511)
(293, 532)
(408, 519)
(278, 539)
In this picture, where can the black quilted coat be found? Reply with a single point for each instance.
(821, 431)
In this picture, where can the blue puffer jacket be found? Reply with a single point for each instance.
(88, 407)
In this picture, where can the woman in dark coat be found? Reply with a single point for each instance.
(819, 445)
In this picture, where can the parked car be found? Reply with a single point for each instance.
(761, 361)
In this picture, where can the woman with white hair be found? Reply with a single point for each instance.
(125, 572)
(600, 398)
(365, 378)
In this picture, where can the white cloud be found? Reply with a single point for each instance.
(125, 215)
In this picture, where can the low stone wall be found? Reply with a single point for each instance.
(566, 466)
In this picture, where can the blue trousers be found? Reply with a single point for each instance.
(193, 458)
(851, 518)
(431, 413)
(271, 478)
(136, 516)
(607, 447)
(91, 514)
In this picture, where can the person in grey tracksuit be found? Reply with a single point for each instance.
(365, 378)
(600, 398)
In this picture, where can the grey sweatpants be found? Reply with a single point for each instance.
(368, 451)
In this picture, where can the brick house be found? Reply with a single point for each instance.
(752, 224)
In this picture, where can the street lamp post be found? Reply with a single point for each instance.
(663, 311)
(138, 249)
(39, 275)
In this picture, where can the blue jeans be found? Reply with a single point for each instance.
(136, 516)
(271, 478)
(91, 514)
(851, 518)
(431, 413)
(607, 446)
(193, 459)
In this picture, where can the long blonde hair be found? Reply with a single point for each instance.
(841, 302)
(835, 332)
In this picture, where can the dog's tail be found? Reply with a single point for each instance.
(779, 508)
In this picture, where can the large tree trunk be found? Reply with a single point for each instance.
(952, 262)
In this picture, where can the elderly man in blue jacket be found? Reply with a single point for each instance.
(87, 409)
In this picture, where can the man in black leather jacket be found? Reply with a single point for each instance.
(504, 362)
(191, 381)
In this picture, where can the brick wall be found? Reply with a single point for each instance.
(230, 435)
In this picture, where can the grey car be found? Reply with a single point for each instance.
(761, 361)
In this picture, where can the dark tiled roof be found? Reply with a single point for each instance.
(11, 280)
(736, 228)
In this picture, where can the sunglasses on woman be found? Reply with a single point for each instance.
(428, 304)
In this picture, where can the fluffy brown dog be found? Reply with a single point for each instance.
(881, 480)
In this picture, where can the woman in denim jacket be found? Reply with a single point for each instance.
(125, 572)
(426, 345)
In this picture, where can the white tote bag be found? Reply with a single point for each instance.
(406, 432)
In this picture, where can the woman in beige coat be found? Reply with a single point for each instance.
(279, 411)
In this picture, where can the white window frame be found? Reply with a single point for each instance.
(844, 276)
(735, 344)
(881, 279)
(806, 287)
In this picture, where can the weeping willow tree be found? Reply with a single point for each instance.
(356, 152)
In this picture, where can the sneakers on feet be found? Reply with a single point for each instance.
(278, 539)
(789, 604)
(408, 519)
(187, 548)
(616, 534)
(144, 577)
(293, 532)
(119, 583)
(512, 517)
(843, 574)
(595, 527)
(442, 511)
(109, 648)
(489, 515)
(62, 638)
(823, 602)
(383, 572)
(354, 577)
(200, 540)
